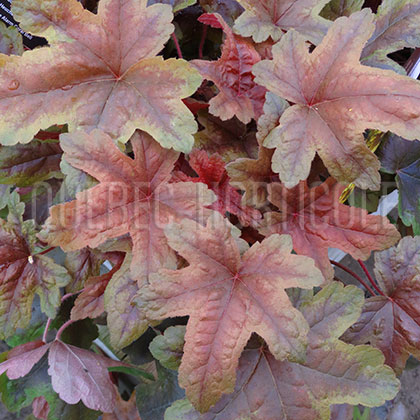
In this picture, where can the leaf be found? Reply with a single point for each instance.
(271, 18)
(124, 410)
(167, 348)
(253, 175)
(238, 94)
(332, 107)
(227, 298)
(334, 372)
(154, 398)
(82, 265)
(21, 359)
(22, 274)
(40, 408)
(90, 303)
(227, 138)
(133, 196)
(126, 318)
(390, 322)
(402, 157)
(396, 27)
(89, 380)
(177, 5)
(337, 8)
(74, 182)
(10, 40)
(20, 393)
(316, 220)
(228, 9)
(100, 71)
(211, 171)
(24, 165)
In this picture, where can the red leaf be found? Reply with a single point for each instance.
(78, 374)
(211, 171)
(40, 408)
(90, 303)
(316, 220)
(239, 95)
(124, 410)
(392, 322)
(23, 358)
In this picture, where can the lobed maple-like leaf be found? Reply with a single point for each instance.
(402, 157)
(23, 273)
(316, 220)
(24, 165)
(272, 18)
(126, 318)
(133, 196)
(335, 99)
(238, 94)
(212, 172)
(253, 175)
(228, 298)
(90, 302)
(333, 373)
(100, 71)
(391, 322)
(396, 27)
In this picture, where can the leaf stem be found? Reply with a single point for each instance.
(47, 327)
(178, 48)
(358, 278)
(45, 251)
(368, 275)
(63, 327)
(202, 42)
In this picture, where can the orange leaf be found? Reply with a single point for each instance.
(133, 196)
(336, 99)
(316, 220)
(228, 297)
(100, 71)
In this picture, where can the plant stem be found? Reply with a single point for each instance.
(178, 48)
(202, 42)
(358, 278)
(47, 327)
(372, 282)
(62, 328)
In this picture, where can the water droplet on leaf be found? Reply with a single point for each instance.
(68, 87)
(13, 85)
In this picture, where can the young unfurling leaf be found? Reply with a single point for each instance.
(238, 94)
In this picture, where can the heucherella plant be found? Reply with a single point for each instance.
(174, 177)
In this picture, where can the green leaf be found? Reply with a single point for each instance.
(168, 348)
(133, 371)
(337, 8)
(177, 5)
